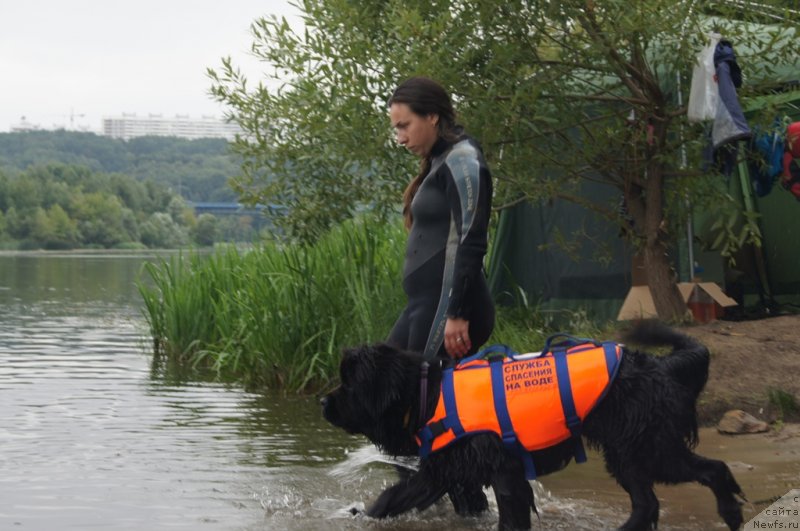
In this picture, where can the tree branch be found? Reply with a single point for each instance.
(618, 63)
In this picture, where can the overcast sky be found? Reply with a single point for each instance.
(71, 62)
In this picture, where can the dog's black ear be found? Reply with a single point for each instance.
(349, 359)
(356, 360)
(389, 350)
(370, 355)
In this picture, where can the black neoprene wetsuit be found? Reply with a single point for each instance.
(443, 270)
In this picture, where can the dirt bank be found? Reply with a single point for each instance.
(748, 360)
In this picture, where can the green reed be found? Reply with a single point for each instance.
(277, 315)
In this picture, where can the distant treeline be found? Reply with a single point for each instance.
(61, 190)
(198, 170)
(60, 206)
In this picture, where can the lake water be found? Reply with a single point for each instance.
(93, 435)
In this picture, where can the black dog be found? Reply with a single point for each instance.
(645, 427)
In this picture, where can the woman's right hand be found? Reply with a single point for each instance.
(456, 337)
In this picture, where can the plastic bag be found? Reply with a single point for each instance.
(704, 94)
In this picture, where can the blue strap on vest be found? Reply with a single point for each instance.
(568, 341)
(450, 421)
(451, 410)
(568, 402)
(612, 362)
(426, 437)
(487, 352)
(509, 436)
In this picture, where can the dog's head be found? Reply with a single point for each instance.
(379, 386)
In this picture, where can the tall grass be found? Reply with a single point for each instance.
(277, 316)
(524, 327)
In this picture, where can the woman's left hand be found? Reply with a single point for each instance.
(456, 337)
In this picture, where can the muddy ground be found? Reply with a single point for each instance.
(750, 360)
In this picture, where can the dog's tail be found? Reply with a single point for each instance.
(688, 361)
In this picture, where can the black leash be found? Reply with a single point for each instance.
(423, 392)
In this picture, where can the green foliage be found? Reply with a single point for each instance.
(161, 230)
(16, 225)
(134, 180)
(198, 170)
(557, 92)
(206, 230)
(55, 229)
(240, 229)
(277, 315)
(549, 89)
(62, 207)
(785, 403)
(100, 219)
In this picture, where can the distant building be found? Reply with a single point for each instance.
(24, 125)
(130, 126)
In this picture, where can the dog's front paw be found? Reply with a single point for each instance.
(355, 511)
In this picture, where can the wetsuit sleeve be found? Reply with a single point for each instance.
(468, 187)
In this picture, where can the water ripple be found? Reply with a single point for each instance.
(91, 437)
(88, 439)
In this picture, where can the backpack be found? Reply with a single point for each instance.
(765, 162)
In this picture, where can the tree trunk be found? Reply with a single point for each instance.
(661, 278)
(662, 283)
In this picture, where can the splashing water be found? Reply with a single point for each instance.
(351, 469)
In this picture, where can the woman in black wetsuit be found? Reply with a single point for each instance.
(446, 209)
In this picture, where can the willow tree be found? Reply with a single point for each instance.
(557, 92)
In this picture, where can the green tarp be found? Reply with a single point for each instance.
(563, 258)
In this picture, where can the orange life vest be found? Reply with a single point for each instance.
(531, 401)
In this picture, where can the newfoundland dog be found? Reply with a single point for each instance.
(645, 427)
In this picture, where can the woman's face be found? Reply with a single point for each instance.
(417, 133)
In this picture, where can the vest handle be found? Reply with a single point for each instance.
(564, 340)
(505, 350)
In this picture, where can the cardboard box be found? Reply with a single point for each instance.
(705, 300)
